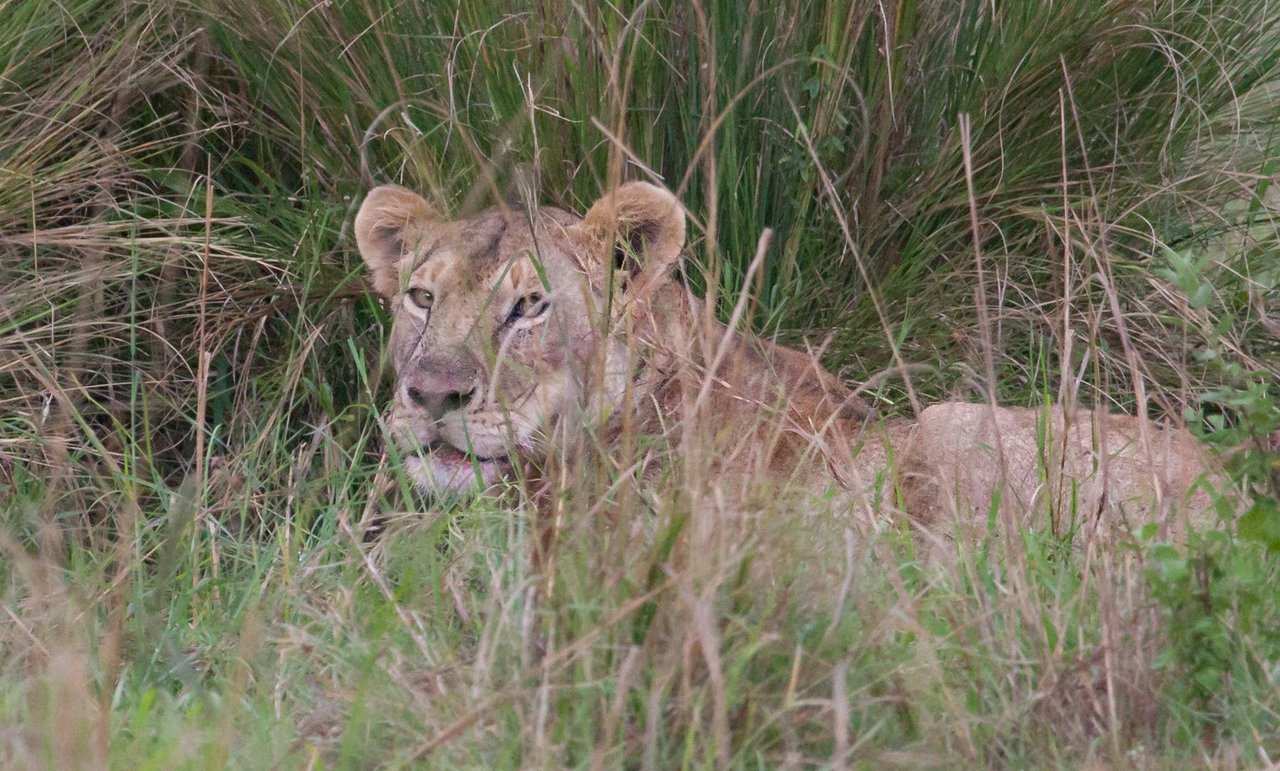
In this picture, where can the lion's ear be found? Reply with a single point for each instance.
(389, 224)
(640, 227)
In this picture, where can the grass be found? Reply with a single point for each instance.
(190, 382)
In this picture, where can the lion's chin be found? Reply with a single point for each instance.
(442, 469)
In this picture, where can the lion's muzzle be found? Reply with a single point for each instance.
(439, 385)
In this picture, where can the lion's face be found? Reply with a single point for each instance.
(504, 322)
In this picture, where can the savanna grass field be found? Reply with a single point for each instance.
(209, 559)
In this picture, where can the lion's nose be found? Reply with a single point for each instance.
(438, 392)
(440, 384)
(437, 401)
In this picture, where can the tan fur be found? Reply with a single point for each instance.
(620, 346)
(475, 391)
(1091, 474)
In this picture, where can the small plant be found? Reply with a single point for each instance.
(1218, 595)
(1222, 613)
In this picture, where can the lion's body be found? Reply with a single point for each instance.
(517, 333)
(1088, 473)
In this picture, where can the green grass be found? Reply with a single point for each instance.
(187, 580)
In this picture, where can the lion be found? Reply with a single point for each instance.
(1086, 473)
(512, 324)
(519, 331)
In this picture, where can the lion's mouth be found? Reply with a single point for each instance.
(440, 468)
(443, 452)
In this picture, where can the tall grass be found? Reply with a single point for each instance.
(1127, 129)
(190, 379)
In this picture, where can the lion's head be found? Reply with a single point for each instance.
(505, 322)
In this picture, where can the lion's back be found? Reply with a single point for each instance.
(1083, 470)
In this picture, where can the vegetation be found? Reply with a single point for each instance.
(1065, 200)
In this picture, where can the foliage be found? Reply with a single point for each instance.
(1223, 616)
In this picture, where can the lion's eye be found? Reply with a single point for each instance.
(420, 298)
(530, 306)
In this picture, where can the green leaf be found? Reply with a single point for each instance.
(1261, 524)
(1202, 296)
